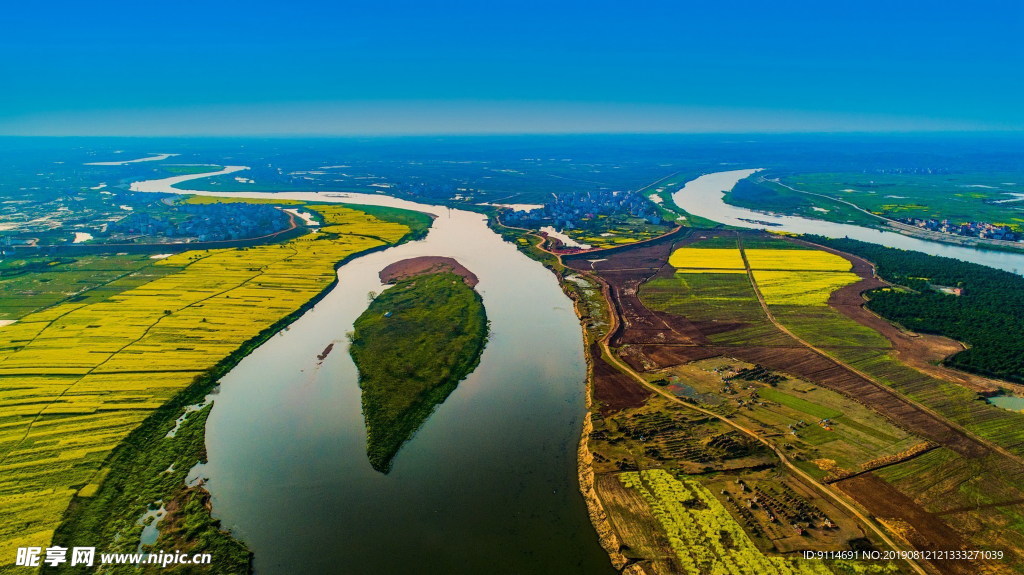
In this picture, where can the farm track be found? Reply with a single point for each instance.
(608, 356)
(645, 339)
(854, 383)
(933, 426)
(659, 339)
(640, 339)
(94, 369)
(923, 352)
(657, 259)
(61, 316)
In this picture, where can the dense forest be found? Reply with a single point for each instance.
(988, 316)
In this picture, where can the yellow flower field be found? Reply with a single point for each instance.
(695, 533)
(810, 260)
(707, 258)
(801, 288)
(76, 379)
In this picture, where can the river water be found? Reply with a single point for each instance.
(488, 484)
(704, 197)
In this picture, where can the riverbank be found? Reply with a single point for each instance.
(505, 440)
(596, 322)
(883, 222)
(101, 512)
(704, 197)
(599, 519)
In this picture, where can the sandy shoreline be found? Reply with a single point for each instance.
(565, 239)
(514, 207)
(155, 158)
(162, 186)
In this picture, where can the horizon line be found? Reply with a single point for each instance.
(319, 135)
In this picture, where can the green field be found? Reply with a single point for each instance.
(763, 195)
(616, 230)
(959, 404)
(801, 405)
(773, 242)
(869, 351)
(31, 284)
(981, 496)
(727, 299)
(823, 326)
(959, 197)
(412, 346)
(792, 408)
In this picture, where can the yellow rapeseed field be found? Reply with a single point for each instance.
(707, 258)
(695, 533)
(800, 288)
(810, 260)
(76, 379)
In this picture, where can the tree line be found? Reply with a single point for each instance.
(988, 316)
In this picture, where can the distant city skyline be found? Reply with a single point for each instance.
(401, 67)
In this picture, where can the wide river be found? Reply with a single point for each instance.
(488, 484)
(704, 197)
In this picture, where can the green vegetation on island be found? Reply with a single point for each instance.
(412, 346)
(978, 305)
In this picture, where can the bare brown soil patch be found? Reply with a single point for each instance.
(653, 357)
(426, 265)
(653, 340)
(641, 325)
(650, 256)
(923, 530)
(643, 540)
(613, 389)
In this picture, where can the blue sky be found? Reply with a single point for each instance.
(396, 67)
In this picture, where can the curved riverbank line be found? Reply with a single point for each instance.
(92, 373)
(704, 197)
(156, 158)
(503, 441)
(166, 185)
